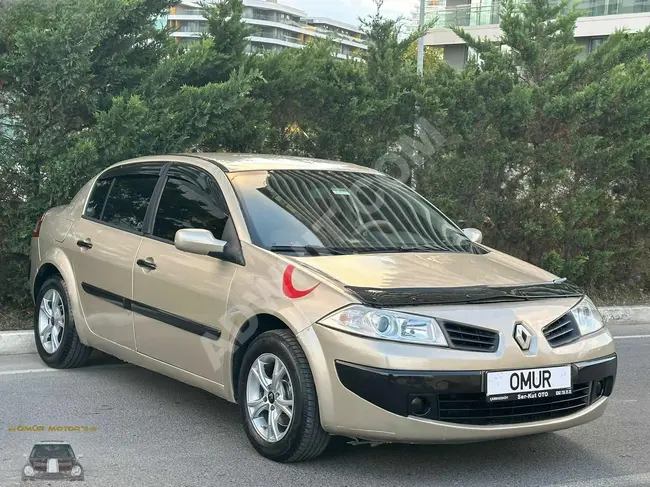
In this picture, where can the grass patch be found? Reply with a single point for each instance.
(620, 297)
(16, 319)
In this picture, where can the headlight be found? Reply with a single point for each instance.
(76, 471)
(387, 325)
(28, 471)
(587, 317)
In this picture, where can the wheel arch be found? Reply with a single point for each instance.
(58, 264)
(45, 271)
(248, 332)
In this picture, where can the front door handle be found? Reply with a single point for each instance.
(147, 263)
(85, 244)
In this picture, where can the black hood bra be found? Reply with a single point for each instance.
(391, 297)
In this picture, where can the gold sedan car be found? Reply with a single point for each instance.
(326, 299)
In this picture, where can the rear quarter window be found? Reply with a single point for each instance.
(98, 198)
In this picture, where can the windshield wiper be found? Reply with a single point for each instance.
(391, 250)
(421, 248)
(312, 250)
(498, 298)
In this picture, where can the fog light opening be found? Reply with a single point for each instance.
(599, 389)
(420, 406)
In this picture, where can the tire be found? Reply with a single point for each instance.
(304, 438)
(70, 352)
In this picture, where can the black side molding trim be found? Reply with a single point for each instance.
(153, 313)
(112, 298)
(175, 321)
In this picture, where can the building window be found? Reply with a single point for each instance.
(193, 26)
(594, 42)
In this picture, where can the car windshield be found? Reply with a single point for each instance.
(52, 451)
(342, 212)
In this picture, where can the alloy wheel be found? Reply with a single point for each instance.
(269, 397)
(51, 321)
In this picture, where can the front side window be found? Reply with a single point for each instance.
(188, 204)
(344, 212)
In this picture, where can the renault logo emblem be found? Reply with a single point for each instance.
(523, 336)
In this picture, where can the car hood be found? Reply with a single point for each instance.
(427, 270)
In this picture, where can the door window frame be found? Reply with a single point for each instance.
(154, 206)
(154, 201)
(217, 195)
(125, 170)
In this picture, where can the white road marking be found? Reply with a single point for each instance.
(45, 369)
(623, 337)
(624, 481)
(26, 371)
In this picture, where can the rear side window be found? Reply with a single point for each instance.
(128, 200)
(189, 203)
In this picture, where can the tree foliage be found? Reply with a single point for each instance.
(547, 152)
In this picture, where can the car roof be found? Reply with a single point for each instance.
(229, 162)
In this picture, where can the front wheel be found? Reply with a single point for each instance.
(277, 399)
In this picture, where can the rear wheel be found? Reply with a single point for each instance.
(56, 337)
(277, 399)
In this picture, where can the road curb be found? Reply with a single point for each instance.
(17, 342)
(20, 342)
(626, 315)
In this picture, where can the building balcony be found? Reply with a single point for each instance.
(489, 13)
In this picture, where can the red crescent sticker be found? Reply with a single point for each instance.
(287, 286)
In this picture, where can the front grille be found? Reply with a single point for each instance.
(562, 331)
(465, 337)
(474, 409)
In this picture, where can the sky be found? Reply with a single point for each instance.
(351, 10)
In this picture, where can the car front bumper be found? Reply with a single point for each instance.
(366, 388)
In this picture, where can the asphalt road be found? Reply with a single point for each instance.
(151, 430)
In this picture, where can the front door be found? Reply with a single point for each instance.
(104, 243)
(179, 298)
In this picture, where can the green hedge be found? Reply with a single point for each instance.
(546, 153)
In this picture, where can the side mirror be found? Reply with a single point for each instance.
(474, 234)
(198, 241)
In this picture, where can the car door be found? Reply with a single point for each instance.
(179, 297)
(105, 242)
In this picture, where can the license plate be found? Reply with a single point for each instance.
(528, 383)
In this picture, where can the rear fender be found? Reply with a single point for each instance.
(58, 258)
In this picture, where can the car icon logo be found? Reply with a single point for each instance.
(53, 460)
(523, 336)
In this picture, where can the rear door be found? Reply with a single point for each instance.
(105, 242)
(178, 297)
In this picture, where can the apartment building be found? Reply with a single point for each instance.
(481, 19)
(277, 27)
(412, 20)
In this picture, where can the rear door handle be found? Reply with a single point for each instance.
(147, 264)
(85, 244)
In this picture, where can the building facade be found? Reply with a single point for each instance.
(481, 19)
(277, 27)
(412, 20)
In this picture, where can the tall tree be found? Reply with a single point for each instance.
(539, 147)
